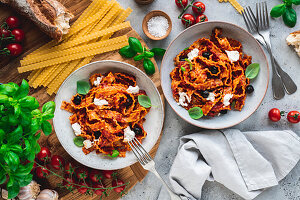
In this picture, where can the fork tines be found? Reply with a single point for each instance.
(139, 151)
(262, 15)
(250, 19)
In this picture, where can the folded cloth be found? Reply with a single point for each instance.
(244, 162)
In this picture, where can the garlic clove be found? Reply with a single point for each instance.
(48, 195)
(30, 191)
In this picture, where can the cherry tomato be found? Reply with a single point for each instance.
(14, 49)
(57, 162)
(81, 173)
(275, 114)
(44, 154)
(188, 20)
(4, 33)
(117, 182)
(82, 188)
(293, 117)
(181, 3)
(19, 35)
(98, 192)
(69, 183)
(109, 174)
(198, 7)
(69, 169)
(42, 172)
(95, 176)
(201, 18)
(13, 22)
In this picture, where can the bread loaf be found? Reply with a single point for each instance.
(294, 39)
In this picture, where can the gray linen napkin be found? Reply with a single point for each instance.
(244, 162)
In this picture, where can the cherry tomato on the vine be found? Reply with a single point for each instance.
(13, 22)
(188, 20)
(293, 117)
(19, 35)
(275, 114)
(4, 32)
(42, 172)
(69, 169)
(109, 174)
(44, 154)
(57, 162)
(14, 49)
(120, 183)
(82, 188)
(95, 176)
(201, 18)
(198, 7)
(69, 183)
(99, 191)
(181, 3)
(81, 173)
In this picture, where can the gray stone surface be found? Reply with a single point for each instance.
(175, 127)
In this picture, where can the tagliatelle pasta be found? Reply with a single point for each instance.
(105, 125)
(206, 76)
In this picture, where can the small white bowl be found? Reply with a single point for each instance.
(153, 124)
(250, 47)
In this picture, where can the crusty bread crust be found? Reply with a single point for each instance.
(42, 12)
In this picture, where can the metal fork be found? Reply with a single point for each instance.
(263, 25)
(148, 164)
(251, 23)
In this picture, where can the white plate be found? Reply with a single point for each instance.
(250, 47)
(153, 124)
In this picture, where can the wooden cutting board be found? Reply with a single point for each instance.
(9, 73)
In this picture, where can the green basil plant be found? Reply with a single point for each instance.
(287, 12)
(20, 122)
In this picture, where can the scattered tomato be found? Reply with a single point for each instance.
(19, 35)
(181, 3)
(188, 20)
(198, 7)
(4, 32)
(44, 154)
(95, 176)
(99, 191)
(69, 183)
(117, 182)
(13, 22)
(109, 174)
(57, 162)
(82, 188)
(14, 49)
(201, 18)
(42, 172)
(275, 114)
(69, 169)
(293, 117)
(81, 173)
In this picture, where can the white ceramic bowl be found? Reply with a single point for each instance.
(153, 124)
(250, 47)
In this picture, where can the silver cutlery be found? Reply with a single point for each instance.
(148, 163)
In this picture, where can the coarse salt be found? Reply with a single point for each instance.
(158, 26)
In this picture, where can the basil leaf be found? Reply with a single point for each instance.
(252, 70)
(34, 126)
(186, 48)
(182, 69)
(25, 119)
(7, 89)
(12, 119)
(135, 45)
(29, 102)
(2, 135)
(158, 51)
(148, 54)
(78, 141)
(25, 180)
(13, 190)
(15, 88)
(190, 63)
(12, 160)
(296, 2)
(23, 90)
(144, 101)
(115, 153)
(139, 57)
(3, 99)
(17, 110)
(15, 135)
(127, 52)
(149, 66)
(49, 107)
(46, 128)
(195, 113)
(278, 10)
(83, 87)
(23, 170)
(290, 17)
(2, 177)
(16, 148)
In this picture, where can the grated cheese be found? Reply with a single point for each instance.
(133, 90)
(226, 99)
(211, 97)
(100, 102)
(194, 53)
(233, 55)
(183, 97)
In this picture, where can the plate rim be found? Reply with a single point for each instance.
(201, 24)
(135, 68)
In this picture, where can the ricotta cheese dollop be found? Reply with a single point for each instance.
(87, 144)
(211, 97)
(100, 102)
(133, 90)
(183, 97)
(194, 53)
(77, 128)
(233, 55)
(98, 81)
(226, 99)
(128, 134)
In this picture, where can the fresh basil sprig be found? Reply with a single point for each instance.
(195, 113)
(83, 87)
(287, 12)
(138, 52)
(115, 153)
(78, 141)
(20, 120)
(144, 101)
(252, 71)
